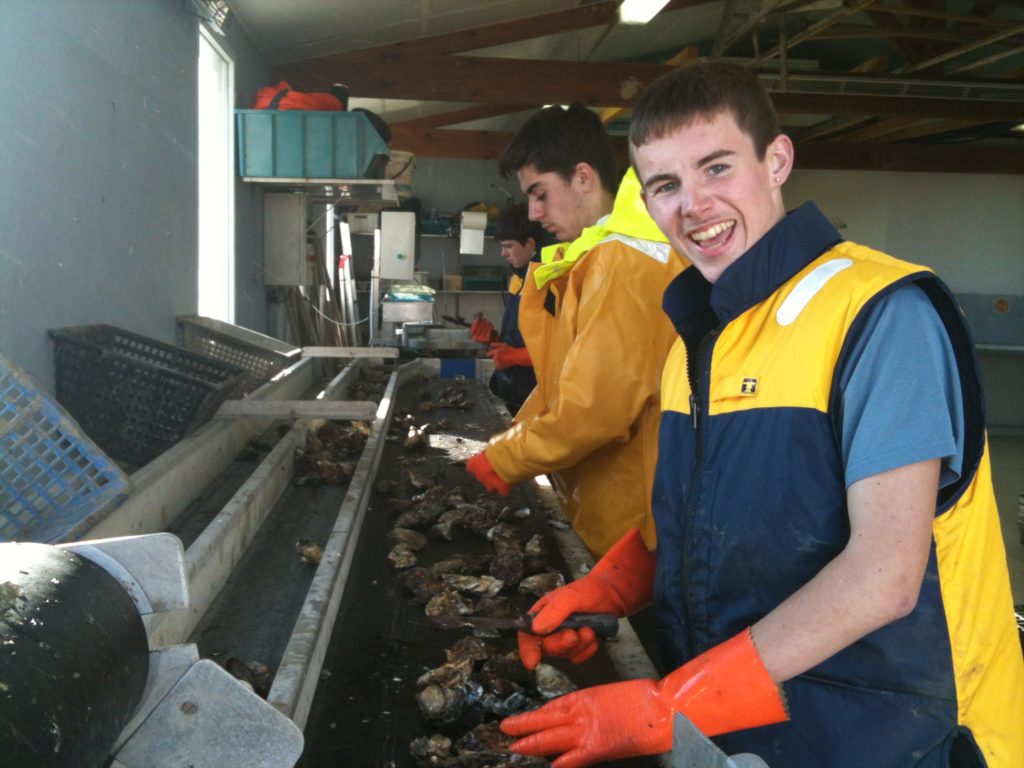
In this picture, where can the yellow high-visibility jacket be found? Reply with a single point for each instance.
(592, 421)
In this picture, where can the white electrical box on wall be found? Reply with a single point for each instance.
(285, 260)
(397, 245)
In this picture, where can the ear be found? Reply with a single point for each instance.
(780, 156)
(586, 176)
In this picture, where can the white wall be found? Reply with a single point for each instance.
(98, 180)
(969, 228)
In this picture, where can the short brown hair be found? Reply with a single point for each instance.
(555, 139)
(705, 89)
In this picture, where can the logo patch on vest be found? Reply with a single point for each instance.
(749, 386)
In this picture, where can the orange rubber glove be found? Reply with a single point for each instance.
(505, 355)
(482, 329)
(481, 468)
(725, 689)
(621, 583)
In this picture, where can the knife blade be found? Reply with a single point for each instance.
(605, 625)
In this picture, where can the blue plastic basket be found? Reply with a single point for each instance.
(55, 483)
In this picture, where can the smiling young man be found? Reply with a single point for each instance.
(830, 580)
(590, 318)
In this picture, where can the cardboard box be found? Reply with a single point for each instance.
(452, 282)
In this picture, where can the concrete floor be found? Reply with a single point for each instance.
(1008, 477)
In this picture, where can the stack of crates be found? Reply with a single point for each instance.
(260, 356)
(55, 483)
(136, 397)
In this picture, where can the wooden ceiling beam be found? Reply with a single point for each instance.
(451, 143)
(488, 145)
(455, 116)
(943, 158)
(557, 22)
(811, 31)
(526, 82)
(904, 128)
(989, 40)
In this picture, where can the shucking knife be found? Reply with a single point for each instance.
(605, 625)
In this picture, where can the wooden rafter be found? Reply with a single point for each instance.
(989, 40)
(812, 30)
(903, 128)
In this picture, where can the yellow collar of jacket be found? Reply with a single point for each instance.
(628, 217)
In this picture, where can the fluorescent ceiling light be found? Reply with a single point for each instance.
(640, 11)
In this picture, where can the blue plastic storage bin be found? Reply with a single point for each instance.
(55, 483)
(306, 145)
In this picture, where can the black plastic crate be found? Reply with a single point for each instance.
(260, 356)
(134, 396)
(55, 483)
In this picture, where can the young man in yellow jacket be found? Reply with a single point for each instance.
(593, 325)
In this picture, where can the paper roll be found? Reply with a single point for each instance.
(474, 220)
(471, 236)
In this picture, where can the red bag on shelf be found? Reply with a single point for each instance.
(281, 96)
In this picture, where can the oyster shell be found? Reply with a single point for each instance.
(484, 737)
(541, 583)
(420, 515)
(414, 540)
(508, 554)
(535, 555)
(474, 586)
(552, 682)
(425, 747)
(464, 564)
(469, 648)
(401, 556)
(422, 582)
(448, 602)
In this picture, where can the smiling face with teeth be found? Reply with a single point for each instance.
(708, 191)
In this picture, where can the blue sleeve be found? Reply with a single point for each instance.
(900, 385)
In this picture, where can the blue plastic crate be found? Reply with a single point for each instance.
(55, 483)
(306, 145)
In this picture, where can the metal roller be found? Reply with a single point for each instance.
(74, 657)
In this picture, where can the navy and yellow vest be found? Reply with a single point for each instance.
(750, 504)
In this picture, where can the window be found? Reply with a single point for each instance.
(216, 182)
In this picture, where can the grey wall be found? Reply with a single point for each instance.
(98, 219)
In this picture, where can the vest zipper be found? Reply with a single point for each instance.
(700, 382)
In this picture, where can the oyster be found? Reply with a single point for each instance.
(452, 674)
(440, 705)
(425, 747)
(423, 583)
(474, 586)
(448, 602)
(442, 529)
(497, 608)
(552, 682)
(420, 515)
(309, 551)
(256, 675)
(417, 438)
(508, 554)
(464, 564)
(485, 737)
(478, 519)
(414, 540)
(402, 556)
(468, 648)
(541, 583)
(535, 555)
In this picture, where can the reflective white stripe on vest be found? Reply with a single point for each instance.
(807, 288)
(657, 251)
